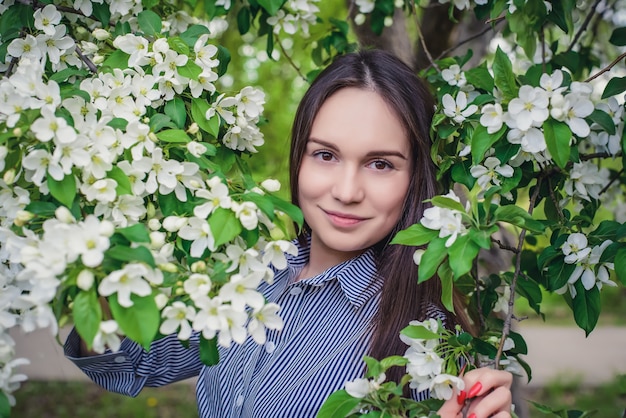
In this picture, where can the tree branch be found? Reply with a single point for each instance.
(293, 64)
(92, 67)
(584, 25)
(607, 68)
(518, 265)
(422, 41)
(464, 41)
(504, 246)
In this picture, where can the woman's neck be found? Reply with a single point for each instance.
(321, 258)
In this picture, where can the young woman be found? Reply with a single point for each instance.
(360, 172)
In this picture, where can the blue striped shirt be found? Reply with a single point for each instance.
(325, 336)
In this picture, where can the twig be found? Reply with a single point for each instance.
(518, 264)
(554, 201)
(464, 41)
(584, 25)
(607, 68)
(504, 246)
(86, 60)
(10, 67)
(617, 176)
(293, 64)
(421, 35)
(587, 157)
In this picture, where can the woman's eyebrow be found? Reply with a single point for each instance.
(375, 153)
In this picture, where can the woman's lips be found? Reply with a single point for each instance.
(343, 219)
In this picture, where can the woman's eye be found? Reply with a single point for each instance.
(381, 165)
(324, 155)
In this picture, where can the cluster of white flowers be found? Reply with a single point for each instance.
(295, 17)
(425, 366)
(110, 145)
(589, 270)
(449, 222)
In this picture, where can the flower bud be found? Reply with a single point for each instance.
(150, 210)
(174, 223)
(417, 256)
(271, 185)
(388, 21)
(193, 129)
(153, 137)
(277, 234)
(100, 34)
(198, 267)
(160, 300)
(157, 239)
(196, 149)
(85, 279)
(17, 132)
(97, 59)
(106, 228)
(180, 291)
(359, 19)
(9, 176)
(23, 217)
(154, 224)
(168, 267)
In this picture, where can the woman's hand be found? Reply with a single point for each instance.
(487, 394)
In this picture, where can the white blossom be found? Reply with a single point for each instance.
(457, 109)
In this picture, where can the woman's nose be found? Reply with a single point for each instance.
(347, 186)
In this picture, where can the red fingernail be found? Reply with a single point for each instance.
(460, 398)
(472, 415)
(474, 391)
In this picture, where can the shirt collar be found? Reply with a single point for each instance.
(358, 277)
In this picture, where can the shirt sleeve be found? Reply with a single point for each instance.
(131, 368)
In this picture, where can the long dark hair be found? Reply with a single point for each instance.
(402, 298)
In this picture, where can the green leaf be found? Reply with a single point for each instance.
(604, 120)
(135, 233)
(5, 406)
(173, 135)
(66, 73)
(117, 59)
(568, 59)
(481, 141)
(87, 314)
(209, 353)
(191, 35)
(586, 307)
(519, 217)
(482, 237)
(558, 274)
(159, 121)
(121, 178)
(418, 332)
(503, 75)
(149, 4)
(224, 225)
(136, 254)
(64, 191)
(102, 13)
(140, 322)
(618, 37)
(338, 405)
(558, 136)
(43, 209)
(263, 203)
(223, 56)
(415, 235)
(561, 15)
(175, 109)
(199, 108)
(271, 6)
(447, 203)
(530, 290)
(243, 20)
(291, 210)
(462, 254)
(190, 70)
(391, 361)
(149, 22)
(179, 45)
(447, 285)
(480, 77)
(118, 123)
(432, 258)
(620, 265)
(615, 86)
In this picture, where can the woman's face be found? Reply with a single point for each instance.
(354, 174)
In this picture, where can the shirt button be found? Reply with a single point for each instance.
(295, 291)
(239, 400)
(119, 359)
(270, 347)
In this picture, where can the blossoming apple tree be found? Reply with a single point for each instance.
(125, 176)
